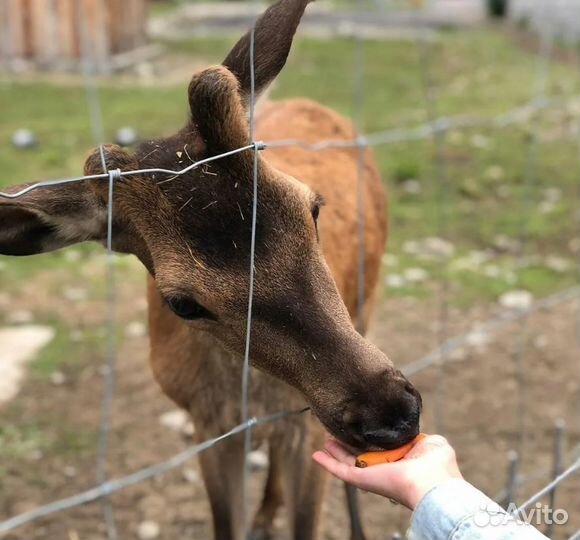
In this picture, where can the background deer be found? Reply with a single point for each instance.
(192, 233)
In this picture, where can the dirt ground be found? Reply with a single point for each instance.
(478, 394)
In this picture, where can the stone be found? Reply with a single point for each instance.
(24, 139)
(415, 275)
(126, 136)
(191, 476)
(135, 329)
(516, 299)
(148, 530)
(558, 264)
(57, 378)
(18, 347)
(75, 294)
(394, 281)
(495, 173)
(258, 460)
(20, 316)
(179, 421)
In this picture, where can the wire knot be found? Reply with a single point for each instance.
(259, 145)
(114, 175)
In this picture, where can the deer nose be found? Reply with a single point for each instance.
(388, 425)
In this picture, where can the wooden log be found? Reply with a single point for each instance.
(56, 32)
(67, 19)
(15, 47)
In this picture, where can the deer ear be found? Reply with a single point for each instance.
(219, 96)
(273, 35)
(52, 217)
(49, 218)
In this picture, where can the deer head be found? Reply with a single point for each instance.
(192, 233)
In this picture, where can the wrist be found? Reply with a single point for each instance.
(418, 490)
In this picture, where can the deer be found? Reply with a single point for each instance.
(193, 234)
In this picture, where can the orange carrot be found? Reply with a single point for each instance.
(369, 459)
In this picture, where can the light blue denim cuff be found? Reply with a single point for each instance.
(448, 509)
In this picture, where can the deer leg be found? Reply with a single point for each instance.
(222, 469)
(263, 528)
(304, 484)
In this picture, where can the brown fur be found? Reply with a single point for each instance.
(193, 232)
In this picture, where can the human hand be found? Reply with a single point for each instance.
(430, 462)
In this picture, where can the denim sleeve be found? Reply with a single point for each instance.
(455, 510)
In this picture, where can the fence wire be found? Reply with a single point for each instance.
(246, 366)
(109, 368)
(442, 187)
(112, 486)
(435, 128)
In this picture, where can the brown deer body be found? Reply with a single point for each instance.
(193, 232)
(196, 372)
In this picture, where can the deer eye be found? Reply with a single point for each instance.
(187, 308)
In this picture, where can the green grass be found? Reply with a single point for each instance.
(21, 442)
(64, 353)
(475, 72)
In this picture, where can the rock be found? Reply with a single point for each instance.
(552, 194)
(411, 247)
(126, 136)
(574, 245)
(478, 339)
(415, 275)
(177, 420)
(148, 530)
(517, 300)
(546, 207)
(69, 471)
(429, 248)
(455, 137)
(491, 271)
(504, 191)
(470, 188)
(57, 378)
(389, 259)
(505, 244)
(24, 139)
(76, 335)
(558, 264)
(72, 255)
(75, 294)
(19, 346)
(540, 342)
(473, 261)
(135, 329)
(458, 354)
(191, 476)
(258, 460)
(480, 141)
(188, 430)
(394, 281)
(495, 173)
(437, 247)
(20, 316)
(412, 187)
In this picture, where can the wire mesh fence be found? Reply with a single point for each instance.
(435, 129)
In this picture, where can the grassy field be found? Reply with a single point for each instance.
(488, 197)
(482, 197)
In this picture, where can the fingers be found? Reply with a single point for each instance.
(427, 445)
(333, 466)
(339, 452)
